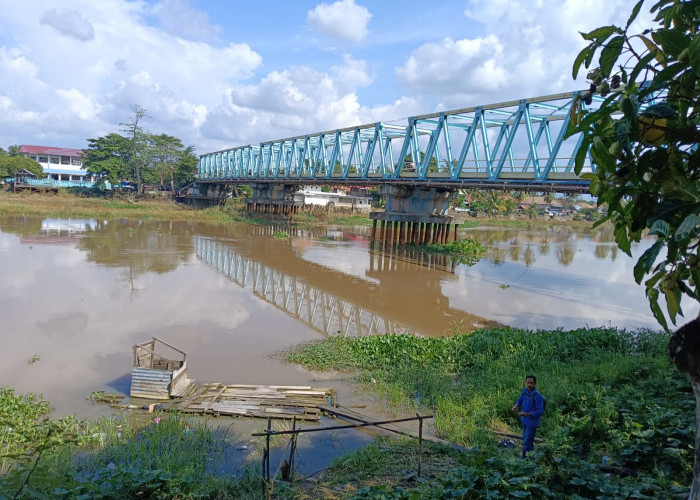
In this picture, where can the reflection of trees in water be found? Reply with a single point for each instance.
(140, 246)
(603, 234)
(498, 255)
(515, 250)
(529, 256)
(503, 243)
(601, 251)
(565, 254)
(21, 225)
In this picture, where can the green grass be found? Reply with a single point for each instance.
(610, 392)
(143, 456)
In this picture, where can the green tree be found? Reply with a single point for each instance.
(172, 161)
(568, 201)
(644, 142)
(11, 164)
(140, 150)
(105, 157)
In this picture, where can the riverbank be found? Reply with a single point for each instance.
(613, 398)
(618, 424)
(69, 205)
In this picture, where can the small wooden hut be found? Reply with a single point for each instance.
(159, 371)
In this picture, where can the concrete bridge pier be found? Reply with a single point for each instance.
(413, 214)
(273, 199)
(218, 191)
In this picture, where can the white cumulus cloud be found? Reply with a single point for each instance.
(525, 48)
(343, 19)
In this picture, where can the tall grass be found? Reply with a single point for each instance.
(610, 392)
(165, 457)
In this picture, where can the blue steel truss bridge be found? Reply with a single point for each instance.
(510, 145)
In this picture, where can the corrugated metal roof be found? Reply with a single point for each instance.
(48, 150)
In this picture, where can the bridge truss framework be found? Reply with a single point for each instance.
(512, 145)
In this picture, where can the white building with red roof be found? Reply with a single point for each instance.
(59, 164)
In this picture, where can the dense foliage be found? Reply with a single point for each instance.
(609, 393)
(11, 164)
(644, 141)
(141, 156)
(163, 457)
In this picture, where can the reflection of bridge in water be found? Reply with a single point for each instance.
(407, 300)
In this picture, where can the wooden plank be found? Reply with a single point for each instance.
(192, 397)
(215, 397)
(262, 401)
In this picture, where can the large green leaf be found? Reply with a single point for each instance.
(610, 53)
(660, 110)
(653, 295)
(578, 61)
(623, 240)
(601, 155)
(673, 303)
(673, 41)
(660, 228)
(601, 33)
(634, 13)
(646, 261)
(688, 228)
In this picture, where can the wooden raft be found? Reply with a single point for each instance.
(262, 401)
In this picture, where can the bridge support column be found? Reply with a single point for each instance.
(273, 198)
(413, 214)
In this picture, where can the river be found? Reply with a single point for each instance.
(76, 295)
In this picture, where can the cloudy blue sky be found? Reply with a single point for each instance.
(219, 74)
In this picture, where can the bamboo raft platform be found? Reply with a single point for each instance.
(261, 401)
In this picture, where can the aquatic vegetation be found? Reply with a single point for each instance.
(465, 251)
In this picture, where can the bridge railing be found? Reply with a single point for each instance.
(518, 140)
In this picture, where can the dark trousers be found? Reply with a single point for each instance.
(528, 438)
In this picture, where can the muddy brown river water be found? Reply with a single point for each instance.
(76, 295)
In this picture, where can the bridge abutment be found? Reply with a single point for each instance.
(413, 214)
(273, 199)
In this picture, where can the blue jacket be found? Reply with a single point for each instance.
(532, 403)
